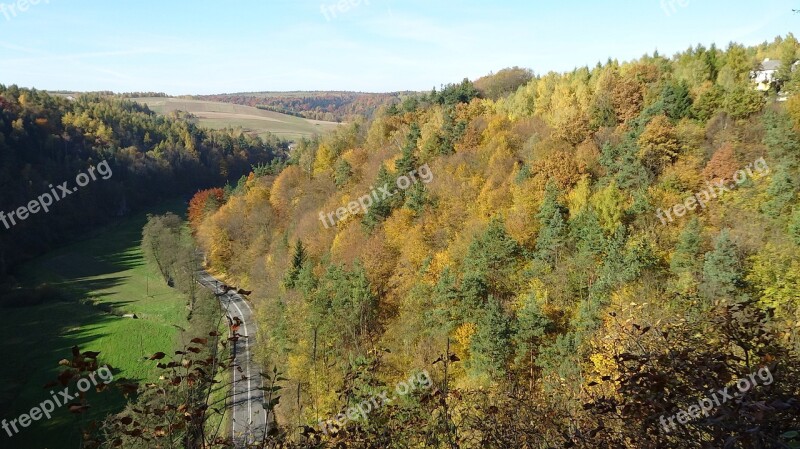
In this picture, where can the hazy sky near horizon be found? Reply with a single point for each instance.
(204, 47)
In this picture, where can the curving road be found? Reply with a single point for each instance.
(249, 417)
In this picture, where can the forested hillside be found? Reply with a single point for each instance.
(46, 140)
(592, 253)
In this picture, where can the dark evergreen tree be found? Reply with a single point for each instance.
(490, 347)
(781, 140)
(298, 260)
(676, 100)
(712, 63)
(452, 94)
(451, 131)
(530, 327)
(490, 261)
(342, 172)
(523, 174)
(782, 192)
(586, 231)
(623, 164)
(383, 207)
(686, 257)
(552, 235)
(408, 159)
(722, 272)
(708, 103)
(794, 226)
(445, 302)
(417, 198)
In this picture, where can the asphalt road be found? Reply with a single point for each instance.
(249, 417)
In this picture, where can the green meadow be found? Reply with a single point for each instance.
(99, 278)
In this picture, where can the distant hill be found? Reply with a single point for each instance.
(317, 105)
(217, 115)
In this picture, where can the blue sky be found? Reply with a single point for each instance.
(203, 47)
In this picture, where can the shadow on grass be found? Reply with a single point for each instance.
(93, 280)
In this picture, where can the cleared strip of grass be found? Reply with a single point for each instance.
(108, 270)
(217, 115)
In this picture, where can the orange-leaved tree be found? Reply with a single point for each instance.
(203, 203)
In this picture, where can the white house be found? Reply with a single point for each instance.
(764, 76)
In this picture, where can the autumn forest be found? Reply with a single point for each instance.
(533, 277)
(604, 257)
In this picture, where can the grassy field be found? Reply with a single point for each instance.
(217, 115)
(107, 268)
